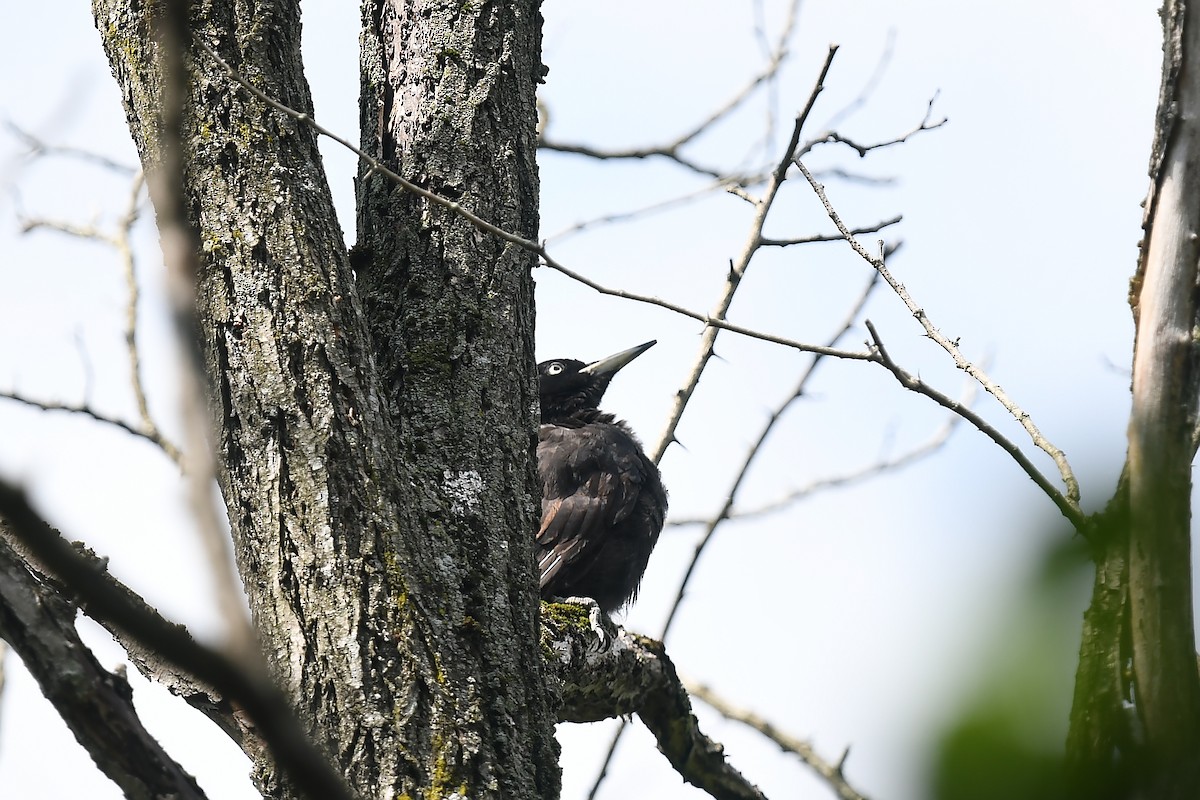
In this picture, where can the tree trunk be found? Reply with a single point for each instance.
(1101, 752)
(377, 467)
(1166, 377)
(1160, 760)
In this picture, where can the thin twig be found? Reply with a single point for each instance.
(1069, 509)
(87, 411)
(960, 361)
(831, 773)
(708, 340)
(714, 524)
(29, 225)
(710, 321)
(828, 136)
(38, 147)
(646, 210)
(831, 237)
(659, 151)
(124, 246)
(671, 150)
(119, 240)
(926, 124)
(738, 267)
(923, 450)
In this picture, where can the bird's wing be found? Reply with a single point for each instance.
(591, 476)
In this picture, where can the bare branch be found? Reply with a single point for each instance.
(243, 682)
(660, 151)
(646, 210)
(120, 241)
(738, 268)
(923, 450)
(183, 684)
(831, 773)
(714, 523)
(960, 361)
(96, 705)
(38, 148)
(831, 237)
(124, 247)
(671, 150)
(926, 124)
(76, 229)
(1069, 509)
(153, 437)
(608, 671)
(710, 321)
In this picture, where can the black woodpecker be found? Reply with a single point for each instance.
(603, 502)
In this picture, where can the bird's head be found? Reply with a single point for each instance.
(567, 386)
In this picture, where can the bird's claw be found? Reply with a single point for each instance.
(598, 621)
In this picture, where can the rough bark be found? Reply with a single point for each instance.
(1101, 750)
(448, 100)
(1166, 377)
(1158, 756)
(602, 671)
(383, 536)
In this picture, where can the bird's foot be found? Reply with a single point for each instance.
(598, 621)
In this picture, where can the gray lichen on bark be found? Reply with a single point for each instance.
(376, 467)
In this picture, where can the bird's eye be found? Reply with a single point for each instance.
(554, 368)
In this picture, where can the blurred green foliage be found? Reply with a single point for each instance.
(1008, 740)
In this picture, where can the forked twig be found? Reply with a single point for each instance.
(1069, 509)
(378, 167)
(739, 266)
(776, 57)
(120, 240)
(1071, 500)
(754, 242)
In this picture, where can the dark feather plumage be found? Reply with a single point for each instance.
(603, 503)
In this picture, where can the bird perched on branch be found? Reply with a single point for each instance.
(603, 503)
